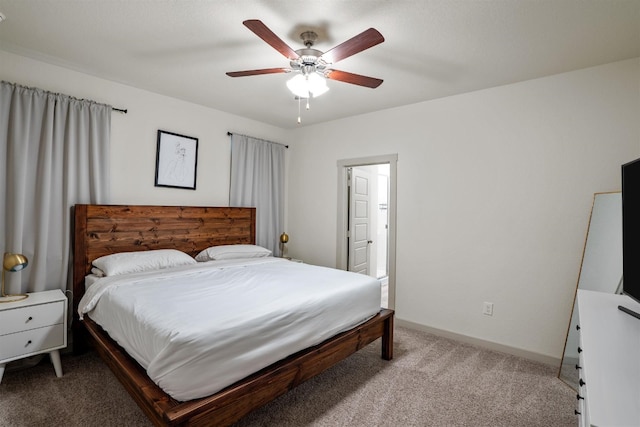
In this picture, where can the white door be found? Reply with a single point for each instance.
(343, 252)
(359, 220)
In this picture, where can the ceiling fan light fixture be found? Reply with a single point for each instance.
(298, 86)
(317, 84)
(305, 86)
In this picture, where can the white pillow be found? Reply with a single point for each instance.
(232, 252)
(135, 262)
(97, 272)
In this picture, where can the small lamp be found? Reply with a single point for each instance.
(284, 238)
(12, 262)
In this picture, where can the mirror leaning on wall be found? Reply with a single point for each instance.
(601, 270)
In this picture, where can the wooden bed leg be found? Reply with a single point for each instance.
(387, 339)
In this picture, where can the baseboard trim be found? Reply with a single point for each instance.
(537, 357)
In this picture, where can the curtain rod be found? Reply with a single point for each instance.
(119, 110)
(285, 146)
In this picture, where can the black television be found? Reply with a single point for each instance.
(631, 232)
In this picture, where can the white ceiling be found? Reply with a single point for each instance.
(432, 48)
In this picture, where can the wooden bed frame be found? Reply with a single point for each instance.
(104, 229)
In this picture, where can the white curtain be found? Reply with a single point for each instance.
(257, 180)
(54, 153)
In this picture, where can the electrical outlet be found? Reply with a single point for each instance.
(488, 309)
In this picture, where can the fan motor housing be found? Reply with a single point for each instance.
(309, 55)
(308, 59)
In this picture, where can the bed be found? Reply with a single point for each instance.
(101, 230)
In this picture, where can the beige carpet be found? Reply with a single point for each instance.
(432, 381)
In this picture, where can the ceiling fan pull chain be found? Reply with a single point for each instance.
(308, 98)
(299, 121)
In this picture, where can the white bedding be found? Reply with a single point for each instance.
(197, 329)
(90, 280)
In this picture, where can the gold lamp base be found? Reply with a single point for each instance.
(284, 238)
(13, 298)
(12, 262)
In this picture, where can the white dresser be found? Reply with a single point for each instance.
(32, 326)
(609, 393)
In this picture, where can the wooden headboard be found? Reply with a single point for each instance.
(106, 229)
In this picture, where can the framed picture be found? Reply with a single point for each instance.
(176, 160)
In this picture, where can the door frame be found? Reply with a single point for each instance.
(343, 220)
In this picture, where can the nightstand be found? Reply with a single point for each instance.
(32, 326)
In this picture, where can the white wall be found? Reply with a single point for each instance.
(134, 135)
(494, 195)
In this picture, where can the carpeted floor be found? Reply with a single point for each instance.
(432, 381)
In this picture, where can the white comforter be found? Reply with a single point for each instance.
(198, 329)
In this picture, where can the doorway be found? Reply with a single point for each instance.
(366, 220)
(368, 225)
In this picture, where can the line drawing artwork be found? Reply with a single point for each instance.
(177, 168)
(176, 160)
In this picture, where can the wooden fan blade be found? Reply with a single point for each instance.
(257, 72)
(362, 41)
(269, 36)
(355, 79)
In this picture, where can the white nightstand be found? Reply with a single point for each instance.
(32, 326)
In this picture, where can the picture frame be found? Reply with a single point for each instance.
(176, 160)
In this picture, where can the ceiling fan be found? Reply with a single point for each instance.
(312, 63)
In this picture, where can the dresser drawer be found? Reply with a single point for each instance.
(38, 340)
(31, 317)
(583, 418)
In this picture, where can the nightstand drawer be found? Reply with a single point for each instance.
(33, 341)
(32, 317)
